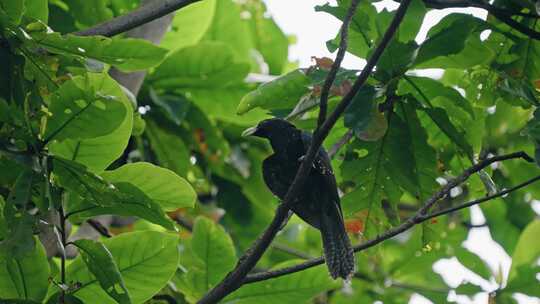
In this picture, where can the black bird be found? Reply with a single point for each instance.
(318, 202)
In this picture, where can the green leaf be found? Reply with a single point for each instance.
(12, 9)
(475, 52)
(440, 118)
(474, 263)
(20, 194)
(207, 64)
(90, 12)
(454, 27)
(25, 277)
(527, 249)
(267, 37)
(146, 261)
(214, 247)
(68, 299)
(468, 289)
(127, 54)
(433, 92)
(525, 51)
(161, 185)
(38, 9)
(363, 115)
(170, 150)
(281, 93)
(378, 173)
(99, 152)
(91, 195)
(410, 26)
(79, 111)
(101, 264)
(19, 238)
(189, 25)
(396, 60)
(228, 27)
(365, 28)
(298, 287)
(225, 109)
(525, 281)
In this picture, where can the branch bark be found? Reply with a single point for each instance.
(420, 216)
(152, 31)
(503, 15)
(344, 31)
(140, 16)
(235, 278)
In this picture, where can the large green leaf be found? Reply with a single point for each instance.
(363, 115)
(364, 29)
(161, 185)
(189, 25)
(101, 264)
(89, 12)
(280, 93)
(228, 27)
(37, 9)
(170, 150)
(433, 92)
(25, 277)
(146, 260)
(267, 37)
(127, 54)
(378, 173)
(11, 10)
(91, 195)
(214, 247)
(298, 287)
(79, 111)
(454, 27)
(424, 157)
(221, 103)
(99, 152)
(475, 52)
(396, 60)
(207, 64)
(19, 224)
(527, 249)
(207, 257)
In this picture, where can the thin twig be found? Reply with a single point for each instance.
(480, 200)
(140, 16)
(235, 278)
(325, 91)
(419, 217)
(499, 13)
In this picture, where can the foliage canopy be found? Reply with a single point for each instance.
(77, 147)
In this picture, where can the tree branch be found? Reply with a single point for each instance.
(344, 31)
(140, 16)
(503, 15)
(420, 216)
(152, 31)
(235, 278)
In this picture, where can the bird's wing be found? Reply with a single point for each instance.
(322, 170)
(275, 177)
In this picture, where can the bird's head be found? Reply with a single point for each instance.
(270, 128)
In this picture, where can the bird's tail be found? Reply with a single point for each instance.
(338, 252)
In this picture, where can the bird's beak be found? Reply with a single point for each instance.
(249, 131)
